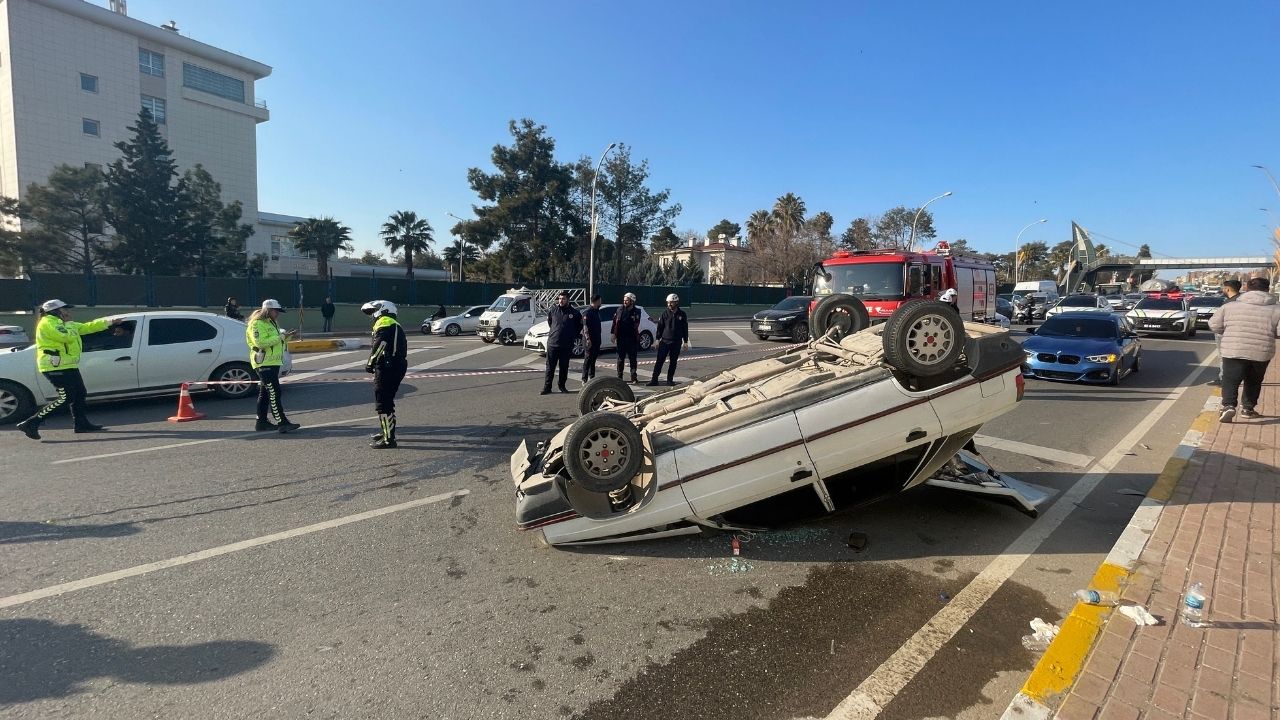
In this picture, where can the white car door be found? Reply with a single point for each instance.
(109, 363)
(177, 350)
(606, 326)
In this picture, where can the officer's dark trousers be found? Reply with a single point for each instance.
(557, 359)
(269, 401)
(71, 394)
(667, 349)
(627, 350)
(386, 382)
(589, 361)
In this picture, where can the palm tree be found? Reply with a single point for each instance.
(757, 225)
(788, 214)
(471, 254)
(405, 231)
(322, 237)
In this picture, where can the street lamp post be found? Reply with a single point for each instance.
(912, 244)
(591, 254)
(1017, 247)
(460, 246)
(1274, 184)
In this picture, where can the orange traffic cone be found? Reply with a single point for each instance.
(186, 408)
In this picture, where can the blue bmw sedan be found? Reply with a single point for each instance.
(1082, 347)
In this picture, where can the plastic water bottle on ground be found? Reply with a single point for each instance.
(1193, 605)
(1106, 598)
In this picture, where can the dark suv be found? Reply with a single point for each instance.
(788, 319)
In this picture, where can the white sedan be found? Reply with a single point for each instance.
(467, 321)
(1080, 303)
(149, 353)
(13, 336)
(536, 338)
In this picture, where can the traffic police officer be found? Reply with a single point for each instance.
(58, 349)
(266, 355)
(626, 333)
(564, 326)
(591, 338)
(388, 361)
(673, 332)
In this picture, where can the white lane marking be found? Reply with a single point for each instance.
(1035, 451)
(531, 359)
(189, 443)
(451, 358)
(736, 338)
(136, 570)
(871, 696)
(308, 374)
(321, 356)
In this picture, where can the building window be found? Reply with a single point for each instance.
(155, 106)
(151, 63)
(89, 83)
(215, 83)
(90, 127)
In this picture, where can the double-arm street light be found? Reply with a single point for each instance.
(1017, 246)
(911, 245)
(455, 217)
(591, 262)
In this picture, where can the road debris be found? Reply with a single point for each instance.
(1043, 634)
(1139, 615)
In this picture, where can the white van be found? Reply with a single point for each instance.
(1048, 287)
(515, 311)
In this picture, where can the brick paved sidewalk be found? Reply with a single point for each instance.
(1219, 528)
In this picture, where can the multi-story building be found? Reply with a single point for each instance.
(722, 262)
(73, 76)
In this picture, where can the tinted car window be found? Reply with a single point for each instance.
(795, 302)
(520, 306)
(113, 338)
(1079, 302)
(1158, 304)
(1207, 302)
(1078, 327)
(171, 331)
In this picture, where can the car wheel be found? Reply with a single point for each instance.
(1192, 333)
(602, 451)
(453, 329)
(486, 339)
(923, 338)
(598, 389)
(241, 379)
(579, 348)
(1115, 377)
(507, 336)
(762, 336)
(1137, 363)
(844, 313)
(646, 340)
(426, 329)
(16, 403)
(800, 333)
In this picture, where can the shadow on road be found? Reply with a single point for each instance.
(44, 659)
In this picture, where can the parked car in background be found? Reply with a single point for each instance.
(1204, 308)
(788, 319)
(149, 353)
(1079, 303)
(1117, 302)
(1004, 306)
(465, 322)
(1087, 347)
(536, 337)
(1163, 314)
(13, 336)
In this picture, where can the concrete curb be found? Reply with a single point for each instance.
(1056, 672)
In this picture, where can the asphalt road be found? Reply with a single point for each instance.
(256, 587)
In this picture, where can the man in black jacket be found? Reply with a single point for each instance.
(327, 310)
(590, 338)
(673, 332)
(565, 325)
(626, 334)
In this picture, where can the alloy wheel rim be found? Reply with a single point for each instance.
(604, 452)
(929, 339)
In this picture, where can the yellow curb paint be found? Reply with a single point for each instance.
(1204, 420)
(1064, 659)
(303, 346)
(1163, 487)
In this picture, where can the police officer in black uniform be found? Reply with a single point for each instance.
(565, 326)
(626, 333)
(591, 338)
(388, 361)
(673, 332)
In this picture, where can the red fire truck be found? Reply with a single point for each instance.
(884, 279)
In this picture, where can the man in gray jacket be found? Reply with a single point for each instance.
(1248, 327)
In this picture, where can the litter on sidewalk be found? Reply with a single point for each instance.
(1139, 615)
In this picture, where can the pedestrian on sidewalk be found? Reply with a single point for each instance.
(327, 310)
(1248, 328)
(1230, 290)
(266, 355)
(388, 361)
(58, 347)
(626, 334)
(564, 327)
(673, 333)
(590, 338)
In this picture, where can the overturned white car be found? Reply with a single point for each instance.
(846, 418)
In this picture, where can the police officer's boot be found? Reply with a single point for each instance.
(31, 427)
(388, 439)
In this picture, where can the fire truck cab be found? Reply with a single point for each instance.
(884, 279)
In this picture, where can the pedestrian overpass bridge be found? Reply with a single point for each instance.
(1127, 266)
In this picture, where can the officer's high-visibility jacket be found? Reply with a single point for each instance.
(58, 343)
(266, 347)
(390, 346)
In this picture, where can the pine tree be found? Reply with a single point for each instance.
(146, 206)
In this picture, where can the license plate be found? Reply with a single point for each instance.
(1151, 325)
(765, 326)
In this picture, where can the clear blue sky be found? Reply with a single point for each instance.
(1138, 120)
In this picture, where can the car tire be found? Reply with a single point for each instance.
(923, 338)
(599, 389)
(602, 451)
(234, 372)
(1114, 380)
(453, 330)
(844, 312)
(16, 403)
(507, 336)
(646, 340)
(426, 329)
(762, 336)
(800, 333)
(486, 339)
(1137, 363)
(579, 347)
(1192, 333)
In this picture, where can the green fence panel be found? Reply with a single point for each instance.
(70, 288)
(126, 290)
(17, 295)
(217, 290)
(176, 291)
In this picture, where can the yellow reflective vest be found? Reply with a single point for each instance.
(58, 343)
(266, 346)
